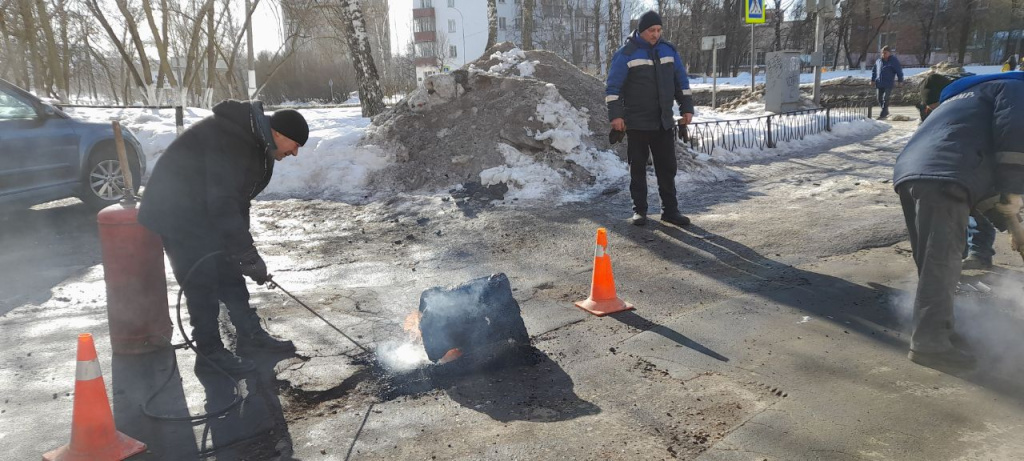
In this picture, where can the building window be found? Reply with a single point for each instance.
(501, 23)
(424, 25)
(426, 3)
(887, 39)
(517, 23)
(451, 3)
(451, 26)
(453, 51)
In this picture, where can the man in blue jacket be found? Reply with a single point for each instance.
(645, 76)
(887, 68)
(969, 148)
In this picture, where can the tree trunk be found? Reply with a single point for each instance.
(614, 30)
(160, 42)
(777, 18)
(492, 24)
(597, 37)
(98, 13)
(967, 19)
(528, 24)
(28, 23)
(370, 97)
(140, 48)
(211, 58)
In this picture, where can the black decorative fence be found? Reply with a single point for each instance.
(769, 130)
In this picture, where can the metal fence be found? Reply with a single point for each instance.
(769, 130)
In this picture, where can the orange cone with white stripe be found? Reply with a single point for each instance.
(93, 436)
(603, 300)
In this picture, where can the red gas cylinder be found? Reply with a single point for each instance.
(133, 268)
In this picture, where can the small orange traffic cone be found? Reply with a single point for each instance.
(602, 300)
(93, 436)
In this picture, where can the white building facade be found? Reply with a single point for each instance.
(447, 34)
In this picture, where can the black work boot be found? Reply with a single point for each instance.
(222, 358)
(258, 340)
(675, 218)
(638, 219)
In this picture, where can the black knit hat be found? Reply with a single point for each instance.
(291, 124)
(647, 20)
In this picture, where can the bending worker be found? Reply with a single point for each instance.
(644, 77)
(198, 201)
(968, 149)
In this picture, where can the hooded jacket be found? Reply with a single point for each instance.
(973, 138)
(642, 82)
(202, 186)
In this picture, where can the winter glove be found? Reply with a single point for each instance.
(252, 265)
(616, 136)
(681, 133)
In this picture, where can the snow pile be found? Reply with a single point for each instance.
(526, 122)
(511, 62)
(568, 125)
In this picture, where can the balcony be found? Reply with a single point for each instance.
(426, 61)
(422, 13)
(428, 36)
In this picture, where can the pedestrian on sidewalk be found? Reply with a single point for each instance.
(886, 70)
(645, 76)
(198, 199)
(969, 148)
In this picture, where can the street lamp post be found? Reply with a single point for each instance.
(463, 27)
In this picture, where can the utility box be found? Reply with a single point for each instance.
(782, 81)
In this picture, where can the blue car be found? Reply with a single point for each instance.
(46, 155)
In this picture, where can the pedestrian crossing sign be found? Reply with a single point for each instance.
(755, 11)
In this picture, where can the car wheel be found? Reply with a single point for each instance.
(104, 181)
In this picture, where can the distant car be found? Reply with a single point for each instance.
(46, 155)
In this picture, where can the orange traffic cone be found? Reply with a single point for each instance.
(602, 300)
(93, 436)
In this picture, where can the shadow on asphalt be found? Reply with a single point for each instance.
(634, 320)
(874, 313)
(41, 249)
(540, 391)
(255, 428)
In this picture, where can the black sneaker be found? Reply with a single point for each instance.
(975, 262)
(675, 218)
(225, 360)
(638, 219)
(261, 341)
(952, 358)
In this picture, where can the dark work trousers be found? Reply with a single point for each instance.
(661, 144)
(883, 100)
(935, 212)
(212, 281)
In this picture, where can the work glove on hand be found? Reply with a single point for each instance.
(615, 136)
(252, 265)
(681, 133)
(1009, 207)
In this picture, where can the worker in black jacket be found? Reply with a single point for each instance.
(644, 78)
(970, 147)
(197, 200)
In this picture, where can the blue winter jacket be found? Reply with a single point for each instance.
(642, 82)
(885, 71)
(974, 138)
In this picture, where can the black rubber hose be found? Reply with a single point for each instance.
(200, 356)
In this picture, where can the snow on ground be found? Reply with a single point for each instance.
(743, 78)
(334, 166)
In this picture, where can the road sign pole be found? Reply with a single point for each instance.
(819, 38)
(714, 74)
(752, 69)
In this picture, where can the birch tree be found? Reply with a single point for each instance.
(492, 23)
(614, 30)
(371, 99)
(528, 6)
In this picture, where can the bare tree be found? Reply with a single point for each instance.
(371, 99)
(597, 37)
(966, 12)
(492, 23)
(528, 24)
(614, 29)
